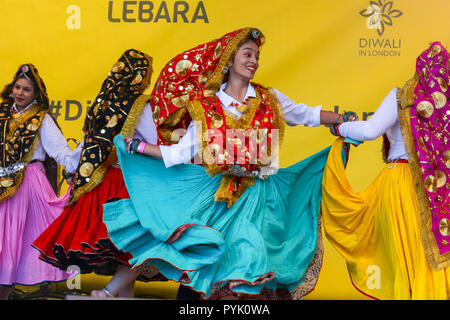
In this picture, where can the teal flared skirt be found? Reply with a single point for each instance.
(267, 245)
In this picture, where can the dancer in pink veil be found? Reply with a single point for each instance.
(395, 235)
(28, 203)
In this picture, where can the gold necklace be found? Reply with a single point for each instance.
(232, 94)
(242, 107)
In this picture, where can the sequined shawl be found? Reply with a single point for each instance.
(424, 113)
(18, 141)
(116, 109)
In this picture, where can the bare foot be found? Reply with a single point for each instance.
(103, 293)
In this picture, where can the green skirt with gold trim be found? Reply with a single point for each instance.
(267, 245)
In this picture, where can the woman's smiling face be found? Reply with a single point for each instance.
(23, 93)
(245, 62)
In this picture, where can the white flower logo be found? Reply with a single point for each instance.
(379, 15)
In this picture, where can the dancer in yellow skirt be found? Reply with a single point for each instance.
(394, 235)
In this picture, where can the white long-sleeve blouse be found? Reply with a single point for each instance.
(53, 143)
(383, 121)
(293, 113)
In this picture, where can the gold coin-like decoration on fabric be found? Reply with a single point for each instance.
(439, 99)
(180, 101)
(134, 54)
(204, 77)
(156, 113)
(34, 125)
(9, 149)
(443, 227)
(217, 121)
(443, 84)
(209, 93)
(6, 182)
(217, 51)
(447, 158)
(96, 108)
(171, 87)
(210, 152)
(434, 51)
(441, 179)
(430, 183)
(118, 67)
(425, 109)
(112, 122)
(86, 169)
(137, 79)
(422, 143)
(182, 67)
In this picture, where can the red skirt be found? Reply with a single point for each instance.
(78, 237)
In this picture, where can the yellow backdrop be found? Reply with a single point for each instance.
(322, 52)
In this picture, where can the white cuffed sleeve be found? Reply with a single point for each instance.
(55, 145)
(298, 113)
(384, 118)
(183, 151)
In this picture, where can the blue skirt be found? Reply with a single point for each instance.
(267, 245)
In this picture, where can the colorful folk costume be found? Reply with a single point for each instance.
(28, 203)
(394, 235)
(228, 223)
(78, 237)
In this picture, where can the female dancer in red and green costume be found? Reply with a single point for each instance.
(230, 223)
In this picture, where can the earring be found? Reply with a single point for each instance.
(11, 95)
(225, 70)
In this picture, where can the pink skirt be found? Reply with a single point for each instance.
(23, 217)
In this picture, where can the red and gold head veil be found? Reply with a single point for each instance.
(191, 74)
(186, 90)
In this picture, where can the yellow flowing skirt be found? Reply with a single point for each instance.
(377, 232)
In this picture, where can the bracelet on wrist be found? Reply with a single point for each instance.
(348, 114)
(65, 174)
(334, 129)
(141, 147)
(135, 145)
(129, 147)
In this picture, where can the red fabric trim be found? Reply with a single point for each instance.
(399, 161)
(359, 290)
(179, 231)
